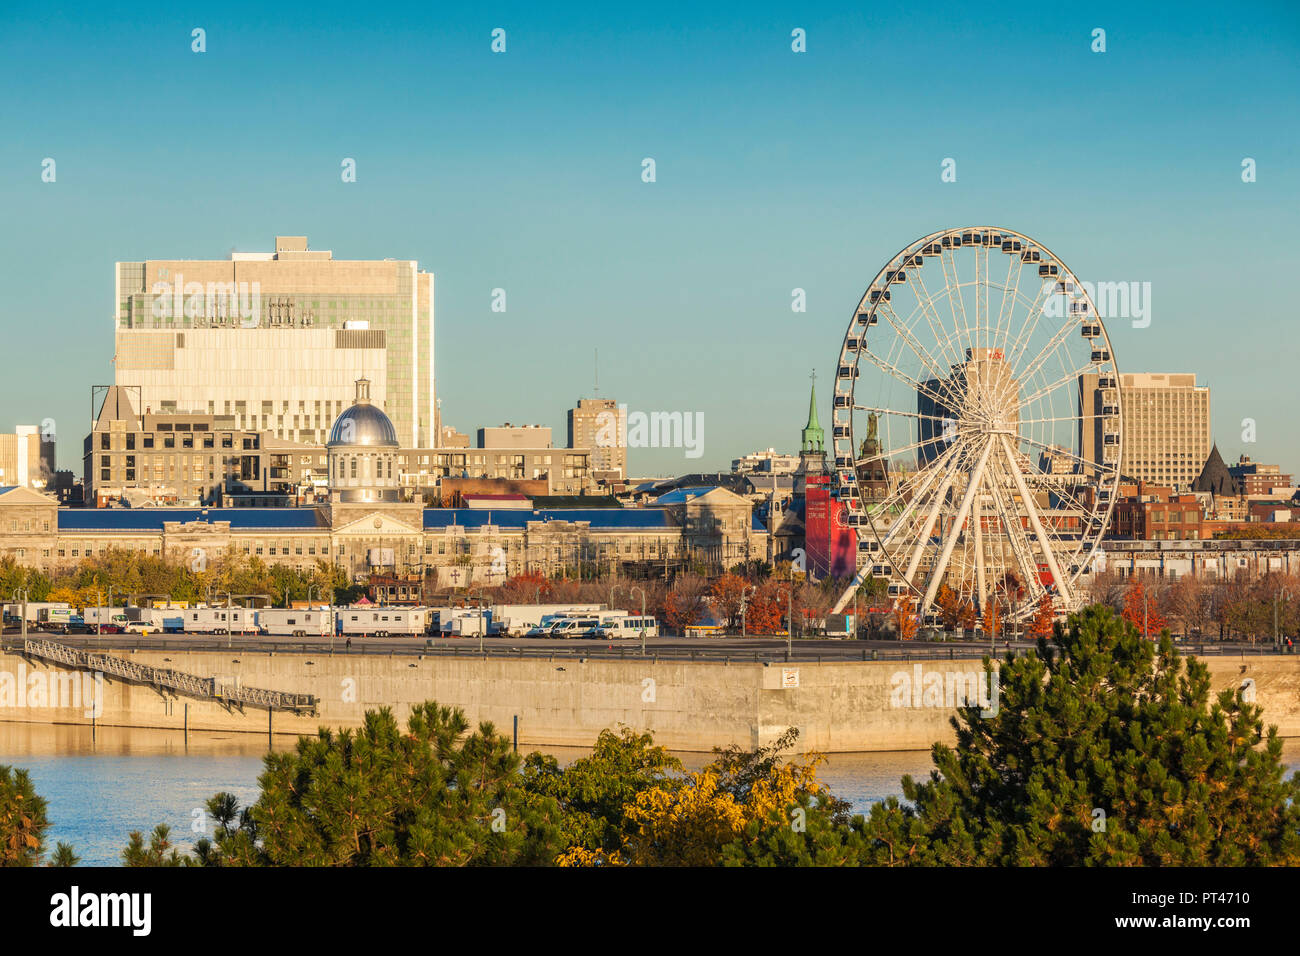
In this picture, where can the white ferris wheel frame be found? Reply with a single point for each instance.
(980, 465)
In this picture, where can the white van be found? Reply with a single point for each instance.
(630, 627)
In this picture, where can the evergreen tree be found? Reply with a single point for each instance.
(22, 820)
(1106, 749)
(436, 795)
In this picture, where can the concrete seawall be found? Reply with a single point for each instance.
(689, 706)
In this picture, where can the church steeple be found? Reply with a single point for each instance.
(813, 437)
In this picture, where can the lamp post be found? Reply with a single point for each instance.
(632, 591)
(744, 605)
(22, 610)
(1277, 639)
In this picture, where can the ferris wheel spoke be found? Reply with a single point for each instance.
(1057, 450)
(1012, 287)
(1066, 379)
(1015, 531)
(916, 501)
(906, 334)
(897, 373)
(956, 529)
(952, 284)
(1048, 350)
(1026, 334)
(932, 318)
(1035, 522)
(932, 515)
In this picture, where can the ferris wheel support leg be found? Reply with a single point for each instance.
(941, 565)
(847, 596)
(978, 519)
(1061, 587)
(930, 519)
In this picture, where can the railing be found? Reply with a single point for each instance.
(180, 682)
(714, 650)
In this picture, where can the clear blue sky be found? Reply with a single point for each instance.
(775, 170)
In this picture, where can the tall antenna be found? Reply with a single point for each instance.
(595, 368)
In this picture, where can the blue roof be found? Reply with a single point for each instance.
(626, 518)
(151, 519)
(681, 495)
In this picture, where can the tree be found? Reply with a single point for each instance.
(22, 820)
(1105, 749)
(158, 852)
(684, 603)
(905, 621)
(728, 592)
(744, 808)
(993, 615)
(1044, 618)
(23, 824)
(950, 606)
(1142, 611)
(593, 792)
(765, 612)
(437, 795)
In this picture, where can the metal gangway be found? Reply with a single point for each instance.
(179, 682)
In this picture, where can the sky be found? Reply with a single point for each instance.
(774, 170)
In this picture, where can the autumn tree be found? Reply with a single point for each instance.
(1142, 612)
(683, 605)
(728, 592)
(593, 792)
(906, 623)
(766, 610)
(949, 606)
(1044, 618)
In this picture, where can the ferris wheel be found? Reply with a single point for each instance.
(976, 426)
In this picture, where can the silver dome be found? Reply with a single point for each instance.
(365, 425)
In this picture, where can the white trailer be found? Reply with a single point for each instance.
(515, 620)
(220, 620)
(384, 621)
(97, 617)
(13, 612)
(297, 622)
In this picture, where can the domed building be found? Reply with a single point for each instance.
(362, 454)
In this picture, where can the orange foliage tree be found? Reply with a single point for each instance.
(728, 592)
(1141, 611)
(765, 612)
(1043, 618)
(950, 606)
(905, 621)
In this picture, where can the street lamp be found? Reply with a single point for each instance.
(744, 605)
(632, 591)
(1277, 640)
(23, 610)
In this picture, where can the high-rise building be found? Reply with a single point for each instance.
(277, 339)
(1166, 426)
(27, 459)
(601, 425)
